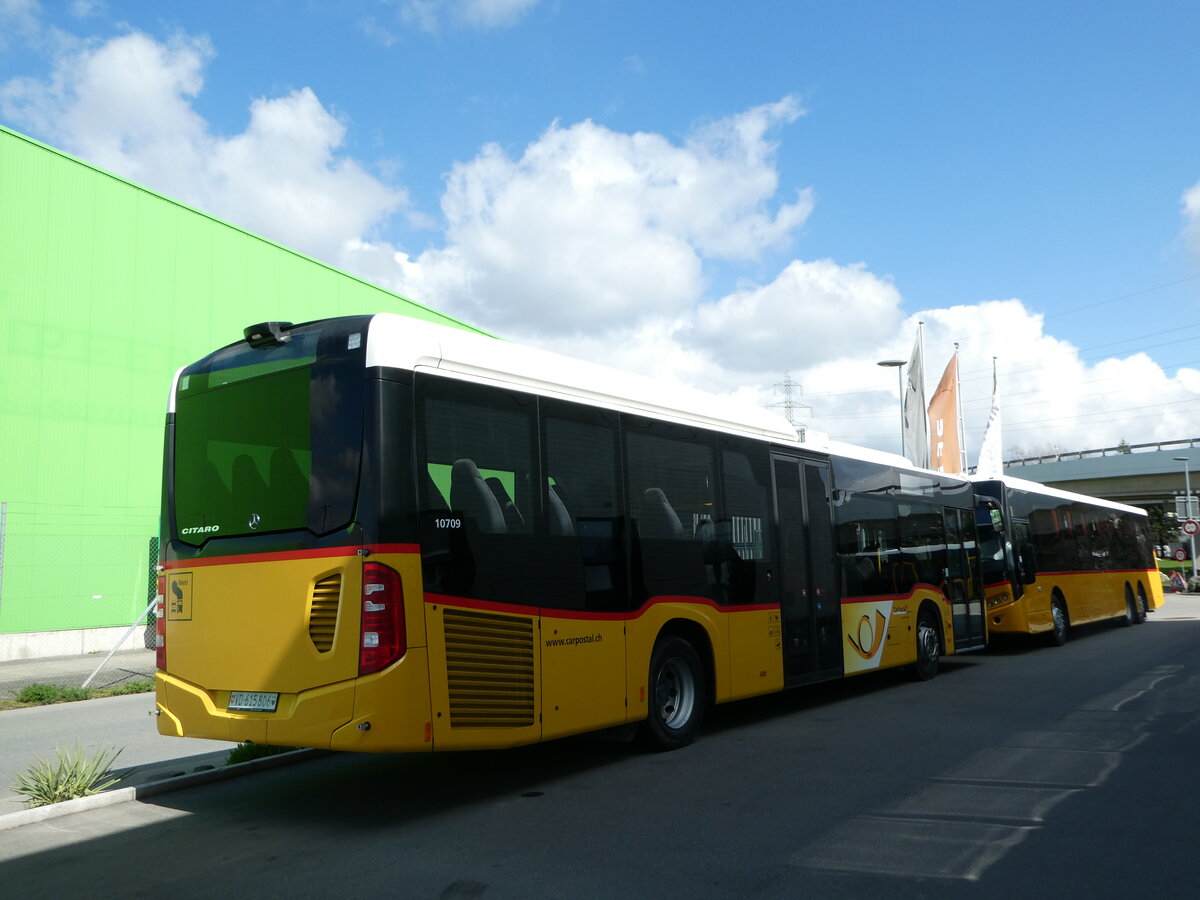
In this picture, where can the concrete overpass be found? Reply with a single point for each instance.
(1145, 475)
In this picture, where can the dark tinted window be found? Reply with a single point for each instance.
(868, 545)
(479, 494)
(584, 528)
(270, 439)
(922, 546)
(672, 501)
(741, 551)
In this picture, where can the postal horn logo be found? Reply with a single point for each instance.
(869, 637)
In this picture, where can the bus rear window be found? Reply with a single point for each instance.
(267, 442)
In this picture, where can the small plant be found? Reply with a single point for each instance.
(50, 693)
(70, 776)
(134, 686)
(248, 751)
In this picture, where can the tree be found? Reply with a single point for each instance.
(1163, 529)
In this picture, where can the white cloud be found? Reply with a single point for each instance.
(799, 319)
(590, 226)
(428, 15)
(1050, 395)
(126, 106)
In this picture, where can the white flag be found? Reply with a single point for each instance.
(991, 460)
(916, 422)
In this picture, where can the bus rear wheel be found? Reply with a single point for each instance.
(929, 646)
(1143, 605)
(677, 695)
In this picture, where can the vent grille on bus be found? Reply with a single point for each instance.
(323, 610)
(489, 664)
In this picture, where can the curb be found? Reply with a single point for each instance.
(153, 788)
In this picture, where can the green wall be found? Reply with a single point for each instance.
(105, 290)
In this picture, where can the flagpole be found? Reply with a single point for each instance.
(962, 433)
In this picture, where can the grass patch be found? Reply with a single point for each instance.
(45, 694)
(136, 686)
(247, 751)
(70, 776)
(41, 694)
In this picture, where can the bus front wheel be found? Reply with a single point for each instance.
(1131, 612)
(677, 695)
(1058, 616)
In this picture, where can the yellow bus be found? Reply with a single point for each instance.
(1053, 559)
(382, 534)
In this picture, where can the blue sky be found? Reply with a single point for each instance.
(710, 192)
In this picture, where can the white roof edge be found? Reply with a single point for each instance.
(400, 341)
(174, 390)
(1022, 484)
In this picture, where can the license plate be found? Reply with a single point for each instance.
(255, 701)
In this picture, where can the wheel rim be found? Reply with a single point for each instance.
(1060, 620)
(675, 693)
(927, 641)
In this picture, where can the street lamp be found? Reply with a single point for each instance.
(1187, 503)
(897, 364)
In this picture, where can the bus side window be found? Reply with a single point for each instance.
(672, 501)
(474, 442)
(584, 539)
(742, 554)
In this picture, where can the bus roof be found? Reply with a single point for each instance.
(1033, 487)
(402, 342)
(399, 341)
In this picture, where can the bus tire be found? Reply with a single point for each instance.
(929, 645)
(1143, 605)
(1130, 617)
(677, 694)
(1058, 616)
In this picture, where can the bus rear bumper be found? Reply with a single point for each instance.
(384, 712)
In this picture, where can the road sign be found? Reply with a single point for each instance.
(1191, 526)
(1181, 554)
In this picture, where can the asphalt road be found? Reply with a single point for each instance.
(1045, 772)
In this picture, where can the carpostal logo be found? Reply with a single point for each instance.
(201, 529)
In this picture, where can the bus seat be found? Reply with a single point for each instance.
(470, 496)
(513, 520)
(560, 519)
(658, 519)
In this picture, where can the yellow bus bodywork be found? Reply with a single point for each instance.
(1089, 596)
(473, 675)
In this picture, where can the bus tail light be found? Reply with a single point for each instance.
(160, 627)
(383, 638)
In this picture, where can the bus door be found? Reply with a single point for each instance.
(964, 580)
(809, 604)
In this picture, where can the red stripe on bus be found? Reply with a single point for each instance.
(1095, 572)
(550, 612)
(892, 598)
(323, 553)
